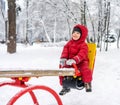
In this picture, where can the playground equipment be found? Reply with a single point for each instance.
(20, 77)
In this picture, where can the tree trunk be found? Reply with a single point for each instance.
(83, 13)
(11, 43)
(118, 39)
(99, 23)
(108, 22)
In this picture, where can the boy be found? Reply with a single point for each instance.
(76, 52)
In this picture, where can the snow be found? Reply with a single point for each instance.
(105, 84)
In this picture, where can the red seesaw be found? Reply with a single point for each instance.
(20, 77)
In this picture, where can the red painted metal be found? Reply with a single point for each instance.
(19, 83)
(77, 72)
(31, 88)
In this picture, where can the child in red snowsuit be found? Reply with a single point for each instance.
(76, 51)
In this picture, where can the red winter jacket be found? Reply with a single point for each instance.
(77, 49)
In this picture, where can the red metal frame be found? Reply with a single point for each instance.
(77, 72)
(28, 88)
(31, 88)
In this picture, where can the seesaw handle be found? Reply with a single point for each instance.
(77, 72)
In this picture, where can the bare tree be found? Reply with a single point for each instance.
(11, 43)
(118, 39)
(103, 22)
(83, 12)
(100, 24)
(107, 23)
(4, 20)
(93, 28)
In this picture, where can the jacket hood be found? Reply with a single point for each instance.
(84, 31)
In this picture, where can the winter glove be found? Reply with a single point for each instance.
(70, 62)
(62, 62)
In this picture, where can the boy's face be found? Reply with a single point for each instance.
(76, 35)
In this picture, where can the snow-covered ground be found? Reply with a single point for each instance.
(105, 85)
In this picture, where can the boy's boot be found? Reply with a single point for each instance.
(88, 87)
(64, 91)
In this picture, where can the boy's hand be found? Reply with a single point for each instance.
(63, 62)
(70, 62)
